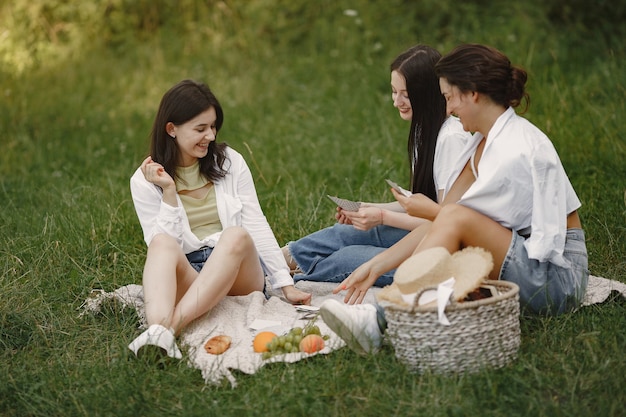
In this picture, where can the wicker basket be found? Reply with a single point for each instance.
(482, 334)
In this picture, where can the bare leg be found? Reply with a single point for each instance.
(165, 263)
(232, 269)
(458, 226)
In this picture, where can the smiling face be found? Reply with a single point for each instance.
(194, 136)
(459, 104)
(400, 96)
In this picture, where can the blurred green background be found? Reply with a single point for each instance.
(305, 89)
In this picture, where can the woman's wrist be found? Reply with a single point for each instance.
(169, 196)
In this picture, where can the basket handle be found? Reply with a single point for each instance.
(419, 293)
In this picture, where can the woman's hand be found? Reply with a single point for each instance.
(341, 216)
(418, 205)
(366, 218)
(295, 296)
(156, 174)
(358, 283)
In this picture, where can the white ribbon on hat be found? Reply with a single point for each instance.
(441, 295)
(444, 291)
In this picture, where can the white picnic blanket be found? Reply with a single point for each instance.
(233, 316)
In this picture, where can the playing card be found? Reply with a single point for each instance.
(347, 205)
(399, 189)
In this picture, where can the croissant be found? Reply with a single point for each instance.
(217, 344)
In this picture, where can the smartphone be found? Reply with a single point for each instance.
(399, 189)
(347, 205)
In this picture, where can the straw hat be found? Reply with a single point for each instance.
(427, 269)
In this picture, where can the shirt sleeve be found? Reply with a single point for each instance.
(449, 147)
(255, 222)
(154, 215)
(549, 219)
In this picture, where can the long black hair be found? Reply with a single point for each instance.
(181, 103)
(417, 66)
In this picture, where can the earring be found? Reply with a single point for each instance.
(172, 136)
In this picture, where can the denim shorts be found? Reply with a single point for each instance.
(198, 258)
(546, 288)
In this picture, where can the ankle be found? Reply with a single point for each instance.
(380, 318)
(288, 258)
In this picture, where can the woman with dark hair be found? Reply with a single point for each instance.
(434, 141)
(427, 114)
(207, 236)
(516, 199)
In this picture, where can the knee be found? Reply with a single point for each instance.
(237, 238)
(162, 241)
(454, 214)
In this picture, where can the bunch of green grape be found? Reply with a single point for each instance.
(290, 341)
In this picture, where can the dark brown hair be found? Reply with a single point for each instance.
(181, 103)
(417, 66)
(481, 68)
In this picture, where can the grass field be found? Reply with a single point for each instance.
(305, 89)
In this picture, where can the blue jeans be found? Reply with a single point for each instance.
(545, 288)
(333, 253)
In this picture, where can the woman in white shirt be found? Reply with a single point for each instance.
(434, 142)
(207, 236)
(516, 200)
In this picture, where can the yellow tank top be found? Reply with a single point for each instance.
(201, 208)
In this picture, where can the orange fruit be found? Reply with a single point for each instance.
(261, 340)
(311, 343)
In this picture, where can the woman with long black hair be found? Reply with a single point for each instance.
(434, 141)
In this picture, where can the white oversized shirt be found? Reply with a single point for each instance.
(451, 141)
(522, 185)
(237, 205)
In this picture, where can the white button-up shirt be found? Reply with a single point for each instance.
(451, 140)
(237, 205)
(522, 185)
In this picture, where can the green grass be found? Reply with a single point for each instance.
(306, 95)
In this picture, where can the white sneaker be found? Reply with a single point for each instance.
(159, 336)
(356, 324)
